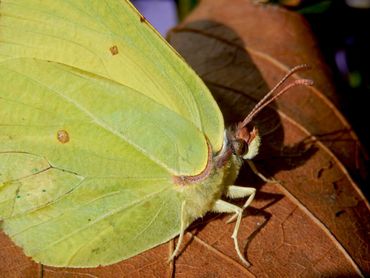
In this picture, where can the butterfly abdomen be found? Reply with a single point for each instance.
(200, 197)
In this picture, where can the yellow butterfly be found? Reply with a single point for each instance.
(109, 143)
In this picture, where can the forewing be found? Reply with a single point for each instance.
(110, 39)
(97, 114)
(96, 196)
(104, 120)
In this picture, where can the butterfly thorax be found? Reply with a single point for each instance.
(202, 191)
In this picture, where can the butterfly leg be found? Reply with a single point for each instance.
(182, 232)
(255, 171)
(223, 206)
(234, 192)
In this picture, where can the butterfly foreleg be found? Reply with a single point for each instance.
(223, 206)
(183, 225)
(235, 192)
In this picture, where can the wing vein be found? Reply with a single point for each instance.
(101, 218)
(98, 122)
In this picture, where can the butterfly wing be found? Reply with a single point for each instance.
(96, 198)
(109, 39)
(90, 135)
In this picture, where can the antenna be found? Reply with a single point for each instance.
(269, 97)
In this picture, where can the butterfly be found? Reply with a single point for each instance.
(110, 144)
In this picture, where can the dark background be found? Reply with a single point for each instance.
(343, 35)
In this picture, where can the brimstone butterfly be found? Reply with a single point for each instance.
(109, 143)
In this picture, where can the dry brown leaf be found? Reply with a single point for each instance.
(243, 49)
(316, 224)
(246, 48)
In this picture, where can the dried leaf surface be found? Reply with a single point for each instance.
(240, 52)
(247, 48)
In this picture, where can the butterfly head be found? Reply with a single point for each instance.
(246, 143)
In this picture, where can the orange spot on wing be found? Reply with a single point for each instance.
(63, 136)
(114, 50)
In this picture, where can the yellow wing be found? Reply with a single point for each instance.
(110, 39)
(97, 113)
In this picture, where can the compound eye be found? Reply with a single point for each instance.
(240, 147)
